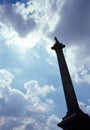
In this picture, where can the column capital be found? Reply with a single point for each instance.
(58, 45)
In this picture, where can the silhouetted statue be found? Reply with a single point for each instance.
(56, 40)
(57, 45)
(75, 119)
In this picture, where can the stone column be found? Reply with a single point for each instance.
(70, 96)
(75, 119)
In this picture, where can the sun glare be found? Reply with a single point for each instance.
(12, 38)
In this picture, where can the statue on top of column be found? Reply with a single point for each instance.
(57, 45)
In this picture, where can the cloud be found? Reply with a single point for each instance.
(26, 26)
(52, 120)
(33, 87)
(35, 93)
(11, 18)
(74, 23)
(25, 110)
(5, 78)
(79, 69)
(9, 123)
(73, 29)
(8, 96)
(85, 108)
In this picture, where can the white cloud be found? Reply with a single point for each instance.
(25, 27)
(88, 109)
(9, 123)
(73, 29)
(52, 120)
(85, 108)
(25, 110)
(78, 63)
(34, 87)
(12, 101)
(36, 95)
(5, 78)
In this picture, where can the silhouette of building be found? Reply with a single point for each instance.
(75, 118)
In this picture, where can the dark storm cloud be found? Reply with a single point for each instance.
(75, 21)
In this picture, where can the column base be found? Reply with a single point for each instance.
(75, 121)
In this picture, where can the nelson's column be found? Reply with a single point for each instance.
(75, 118)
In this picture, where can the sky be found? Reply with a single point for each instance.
(31, 92)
